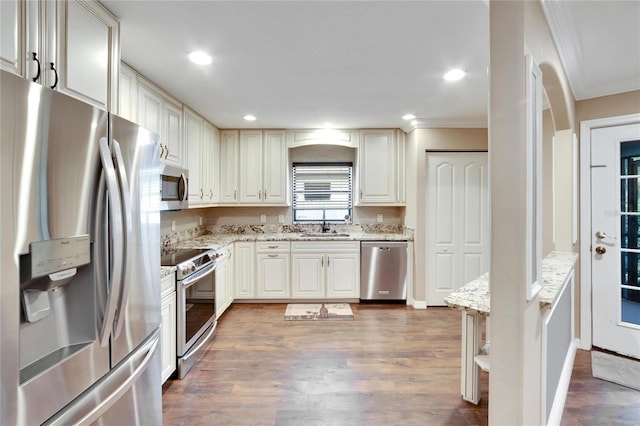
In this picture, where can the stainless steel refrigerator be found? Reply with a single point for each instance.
(80, 262)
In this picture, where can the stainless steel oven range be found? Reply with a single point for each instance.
(196, 310)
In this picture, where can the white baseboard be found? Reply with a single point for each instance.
(418, 304)
(555, 415)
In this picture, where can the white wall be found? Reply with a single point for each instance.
(517, 28)
(419, 142)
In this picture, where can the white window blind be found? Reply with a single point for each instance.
(322, 191)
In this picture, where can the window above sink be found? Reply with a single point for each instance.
(322, 192)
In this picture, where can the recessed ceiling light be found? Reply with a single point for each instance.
(250, 117)
(408, 117)
(454, 75)
(199, 57)
(414, 122)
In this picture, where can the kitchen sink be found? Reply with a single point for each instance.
(326, 235)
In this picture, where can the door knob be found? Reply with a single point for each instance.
(601, 250)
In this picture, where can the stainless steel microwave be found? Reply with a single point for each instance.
(174, 188)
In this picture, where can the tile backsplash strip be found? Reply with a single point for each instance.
(178, 226)
(184, 225)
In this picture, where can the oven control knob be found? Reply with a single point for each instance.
(188, 267)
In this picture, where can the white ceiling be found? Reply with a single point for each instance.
(354, 64)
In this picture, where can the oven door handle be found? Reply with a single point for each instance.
(208, 270)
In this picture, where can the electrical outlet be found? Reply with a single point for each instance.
(173, 226)
(280, 218)
(380, 218)
(263, 218)
(199, 220)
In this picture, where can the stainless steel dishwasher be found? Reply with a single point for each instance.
(383, 270)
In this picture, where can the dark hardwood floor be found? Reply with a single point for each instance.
(391, 365)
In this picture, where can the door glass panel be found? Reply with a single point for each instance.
(629, 233)
(630, 309)
(630, 263)
(630, 158)
(629, 201)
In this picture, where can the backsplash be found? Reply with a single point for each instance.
(299, 228)
(185, 225)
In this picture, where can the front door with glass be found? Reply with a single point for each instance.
(615, 238)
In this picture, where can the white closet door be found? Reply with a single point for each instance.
(457, 221)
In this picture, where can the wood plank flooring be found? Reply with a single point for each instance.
(391, 365)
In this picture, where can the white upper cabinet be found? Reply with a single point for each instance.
(88, 52)
(72, 46)
(193, 126)
(162, 115)
(229, 166)
(202, 142)
(13, 36)
(210, 167)
(172, 133)
(128, 93)
(302, 137)
(263, 167)
(275, 167)
(381, 175)
(253, 167)
(250, 166)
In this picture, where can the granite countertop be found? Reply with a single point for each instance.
(474, 297)
(166, 270)
(218, 241)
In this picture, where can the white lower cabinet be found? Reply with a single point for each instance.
(273, 269)
(343, 275)
(307, 275)
(224, 292)
(244, 265)
(325, 269)
(168, 309)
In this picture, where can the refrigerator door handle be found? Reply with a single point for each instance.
(85, 411)
(115, 220)
(128, 229)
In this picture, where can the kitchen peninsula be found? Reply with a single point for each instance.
(474, 300)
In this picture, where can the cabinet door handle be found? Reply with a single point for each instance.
(34, 56)
(211, 194)
(265, 195)
(166, 151)
(328, 261)
(234, 194)
(322, 262)
(272, 247)
(272, 255)
(55, 73)
(201, 194)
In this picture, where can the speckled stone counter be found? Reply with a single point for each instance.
(555, 269)
(218, 241)
(474, 300)
(166, 271)
(474, 296)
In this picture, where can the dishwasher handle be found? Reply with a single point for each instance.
(384, 245)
